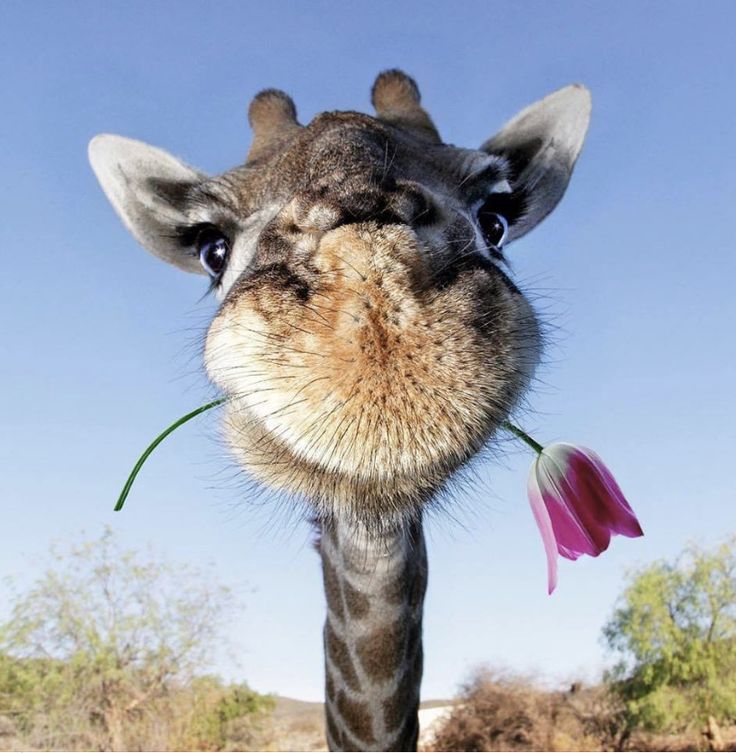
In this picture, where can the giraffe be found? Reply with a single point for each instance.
(369, 336)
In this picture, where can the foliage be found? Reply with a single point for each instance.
(224, 718)
(674, 629)
(105, 651)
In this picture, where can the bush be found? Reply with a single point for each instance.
(501, 712)
(222, 717)
(675, 632)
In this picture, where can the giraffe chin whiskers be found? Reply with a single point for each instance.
(358, 382)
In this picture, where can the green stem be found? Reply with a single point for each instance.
(156, 442)
(515, 430)
(523, 436)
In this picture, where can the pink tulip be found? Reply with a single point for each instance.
(577, 504)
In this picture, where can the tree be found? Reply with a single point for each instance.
(102, 639)
(674, 629)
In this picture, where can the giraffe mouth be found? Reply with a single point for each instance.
(363, 371)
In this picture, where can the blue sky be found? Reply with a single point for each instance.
(635, 270)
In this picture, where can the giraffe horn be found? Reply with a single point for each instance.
(396, 99)
(272, 117)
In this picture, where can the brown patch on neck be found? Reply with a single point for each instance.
(406, 696)
(409, 736)
(357, 603)
(339, 653)
(334, 735)
(395, 591)
(381, 651)
(356, 717)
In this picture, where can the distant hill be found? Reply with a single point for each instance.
(297, 725)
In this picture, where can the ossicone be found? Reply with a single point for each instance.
(272, 117)
(396, 99)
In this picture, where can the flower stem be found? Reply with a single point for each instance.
(523, 436)
(515, 430)
(156, 442)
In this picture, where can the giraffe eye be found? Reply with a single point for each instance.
(495, 226)
(214, 249)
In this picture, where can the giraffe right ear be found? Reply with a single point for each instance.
(148, 188)
(542, 144)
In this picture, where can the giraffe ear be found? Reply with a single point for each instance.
(148, 188)
(542, 144)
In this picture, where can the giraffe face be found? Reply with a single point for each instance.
(369, 335)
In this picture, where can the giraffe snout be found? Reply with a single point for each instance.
(355, 365)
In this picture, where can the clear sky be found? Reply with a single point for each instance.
(635, 269)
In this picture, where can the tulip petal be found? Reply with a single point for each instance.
(576, 534)
(621, 517)
(577, 504)
(541, 516)
(598, 501)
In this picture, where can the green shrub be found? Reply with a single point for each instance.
(674, 630)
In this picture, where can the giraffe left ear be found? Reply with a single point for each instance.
(148, 188)
(542, 144)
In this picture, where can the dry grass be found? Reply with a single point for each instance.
(500, 712)
(493, 712)
(295, 725)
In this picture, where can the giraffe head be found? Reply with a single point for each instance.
(369, 334)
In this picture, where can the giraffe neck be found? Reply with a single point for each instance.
(373, 636)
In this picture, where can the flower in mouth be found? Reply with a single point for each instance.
(576, 502)
(575, 499)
